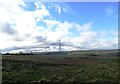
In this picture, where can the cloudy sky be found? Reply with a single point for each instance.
(38, 26)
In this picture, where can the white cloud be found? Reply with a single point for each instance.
(61, 32)
(51, 23)
(106, 44)
(103, 33)
(24, 22)
(59, 10)
(85, 27)
(115, 33)
(18, 27)
(10, 9)
(85, 39)
(59, 7)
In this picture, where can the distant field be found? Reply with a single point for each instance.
(70, 68)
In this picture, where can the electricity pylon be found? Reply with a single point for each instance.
(59, 45)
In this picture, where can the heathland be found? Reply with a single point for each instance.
(73, 67)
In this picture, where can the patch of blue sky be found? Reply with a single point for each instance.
(93, 11)
(53, 9)
(30, 6)
(42, 23)
(83, 12)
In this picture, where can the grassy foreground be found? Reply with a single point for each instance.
(65, 69)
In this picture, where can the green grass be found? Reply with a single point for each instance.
(28, 69)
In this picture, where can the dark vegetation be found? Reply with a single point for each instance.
(75, 67)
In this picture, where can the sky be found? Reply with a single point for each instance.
(38, 26)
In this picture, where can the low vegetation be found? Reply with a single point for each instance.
(81, 67)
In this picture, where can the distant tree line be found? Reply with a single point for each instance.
(20, 53)
(80, 53)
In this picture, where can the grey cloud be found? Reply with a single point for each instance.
(21, 38)
(40, 39)
(36, 48)
(6, 28)
(18, 39)
(28, 35)
(62, 44)
(25, 48)
(68, 44)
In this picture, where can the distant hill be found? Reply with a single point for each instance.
(114, 52)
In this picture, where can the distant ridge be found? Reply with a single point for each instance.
(107, 53)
